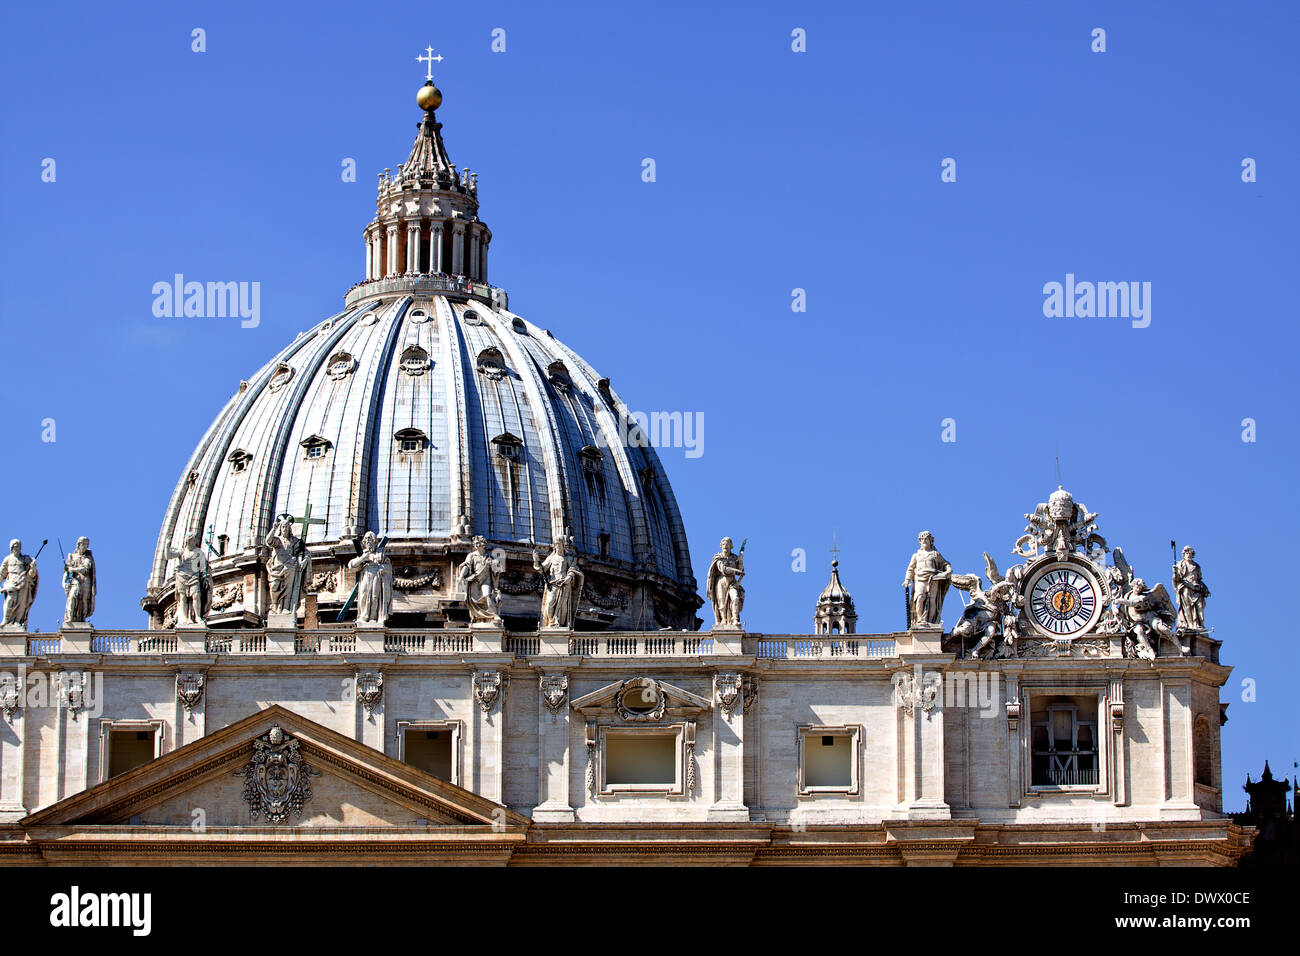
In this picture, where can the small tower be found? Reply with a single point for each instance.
(835, 614)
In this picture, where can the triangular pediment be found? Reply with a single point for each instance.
(645, 690)
(254, 773)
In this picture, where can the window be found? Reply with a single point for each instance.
(414, 361)
(642, 759)
(828, 759)
(280, 377)
(492, 364)
(341, 365)
(239, 460)
(127, 744)
(419, 316)
(411, 441)
(315, 447)
(518, 325)
(432, 746)
(508, 446)
(558, 373)
(1063, 741)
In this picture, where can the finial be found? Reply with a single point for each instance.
(430, 97)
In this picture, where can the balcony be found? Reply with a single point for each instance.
(427, 284)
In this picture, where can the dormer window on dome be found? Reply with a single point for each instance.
(558, 373)
(414, 360)
(239, 460)
(411, 441)
(315, 447)
(492, 364)
(519, 325)
(508, 446)
(341, 365)
(592, 459)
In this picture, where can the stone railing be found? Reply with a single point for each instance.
(428, 284)
(451, 642)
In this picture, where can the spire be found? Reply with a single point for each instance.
(835, 613)
(429, 163)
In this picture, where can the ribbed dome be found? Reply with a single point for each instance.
(429, 413)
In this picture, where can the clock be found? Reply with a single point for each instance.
(1065, 598)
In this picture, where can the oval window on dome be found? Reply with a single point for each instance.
(519, 325)
(280, 377)
(472, 317)
(419, 316)
(341, 365)
(325, 326)
(492, 364)
(370, 318)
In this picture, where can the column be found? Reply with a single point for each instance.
(376, 256)
(435, 247)
(369, 256)
(419, 248)
(728, 749)
(458, 248)
(412, 247)
(918, 698)
(391, 267)
(482, 254)
(471, 264)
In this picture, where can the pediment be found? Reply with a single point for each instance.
(651, 699)
(253, 774)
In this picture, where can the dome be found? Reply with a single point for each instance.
(428, 412)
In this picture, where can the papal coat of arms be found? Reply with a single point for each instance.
(277, 779)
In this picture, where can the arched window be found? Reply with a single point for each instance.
(341, 365)
(519, 325)
(239, 460)
(558, 373)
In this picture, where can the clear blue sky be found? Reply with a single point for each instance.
(775, 170)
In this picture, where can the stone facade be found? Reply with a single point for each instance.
(938, 748)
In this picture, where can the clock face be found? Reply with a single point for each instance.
(1064, 600)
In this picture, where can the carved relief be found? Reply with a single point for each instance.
(520, 582)
(555, 689)
(615, 599)
(189, 691)
(323, 582)
(277, 781)
(640, 699)
(751, 691)
(10, 699)
(487, 688)
(728, 687)
(72, 689)
(908, 693)
(370, 689)
(225, 596)
(410, 580)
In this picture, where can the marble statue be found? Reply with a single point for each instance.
(725, 590)
(1148, 614)
(562, 585)
(479, 572)
(991, 613)
(193, 587)
(19, 576)
(928, 574)
(79, 583)
(288, 564)
(1191, 591)
(374, 581)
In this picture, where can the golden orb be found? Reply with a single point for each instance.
(429, 97)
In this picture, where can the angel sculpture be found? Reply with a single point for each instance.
(1118, 579)
(1147, 613)
(992, 613)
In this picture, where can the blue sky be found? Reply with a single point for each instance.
(775, 170)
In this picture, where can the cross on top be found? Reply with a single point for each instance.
(835, 548)
(430, 59)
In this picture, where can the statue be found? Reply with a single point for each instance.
(193, 588)
(287, 565)
(374, 581)
(992, 613)
(1059, 524)
(18, 572)
(1191, 591)
(725, 591)
(479, 572)
(79, 583)
(563, 585)
(1148, 613)
(929, 574)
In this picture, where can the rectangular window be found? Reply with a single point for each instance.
(828, 759)
(641, 760)
(127, 744)
(1064, 741)
(432, 746)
